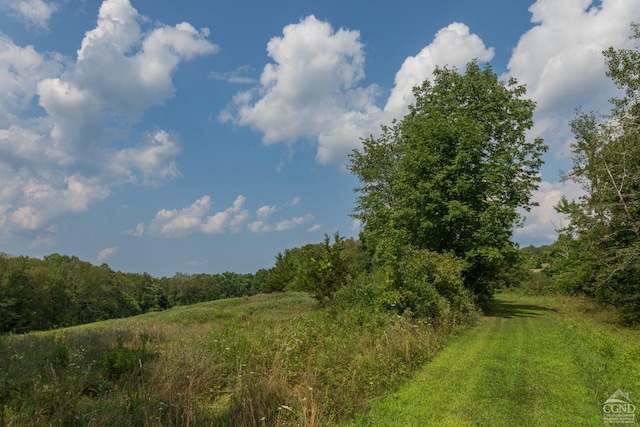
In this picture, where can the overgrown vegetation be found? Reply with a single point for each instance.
(264, 360)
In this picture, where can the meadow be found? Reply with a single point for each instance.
(270, 359)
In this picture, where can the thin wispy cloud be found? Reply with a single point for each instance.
(106, 253)
(33, 13)
(238, 76)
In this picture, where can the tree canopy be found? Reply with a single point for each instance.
(604, 230)
(453, 175)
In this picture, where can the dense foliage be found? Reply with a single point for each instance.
(601, 246)
(452, 176)
(318, 268)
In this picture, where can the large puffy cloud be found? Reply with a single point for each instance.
(62, 161)
(109, 82)
(313, 89)
(560, 60)
(452, 46)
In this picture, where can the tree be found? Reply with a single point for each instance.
(452, 175)
(606, 220)
(323, 274)
(281, 275)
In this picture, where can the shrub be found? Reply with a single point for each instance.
(432, 285)
(423, 284)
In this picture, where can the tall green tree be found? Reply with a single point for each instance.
(606, 219)
(453, 174)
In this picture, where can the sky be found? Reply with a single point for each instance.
(201, 137)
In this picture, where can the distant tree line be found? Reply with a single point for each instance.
(60, 290)
(319, 268)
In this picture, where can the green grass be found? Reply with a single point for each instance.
(531, 361)
(272, 360)
(278, 360)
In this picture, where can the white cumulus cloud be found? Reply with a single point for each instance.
(196, 219)
(61, 158)
(543, 221)
(560, 58)
(313, 90)
(21, 68)
(153, 159)
(310, 91)
(120, 71)
(452, 46)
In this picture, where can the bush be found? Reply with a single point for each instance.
(432, 285)
(424, 284)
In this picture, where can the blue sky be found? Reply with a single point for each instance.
(200, 136)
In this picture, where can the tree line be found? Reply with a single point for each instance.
(61, 290)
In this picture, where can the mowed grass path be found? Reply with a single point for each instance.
(526, 363)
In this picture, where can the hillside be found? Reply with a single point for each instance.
(263, 360)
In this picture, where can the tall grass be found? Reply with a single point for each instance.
(268, 360)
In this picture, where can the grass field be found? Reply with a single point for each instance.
(278, 360)
(530, 361)
(272, 360)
